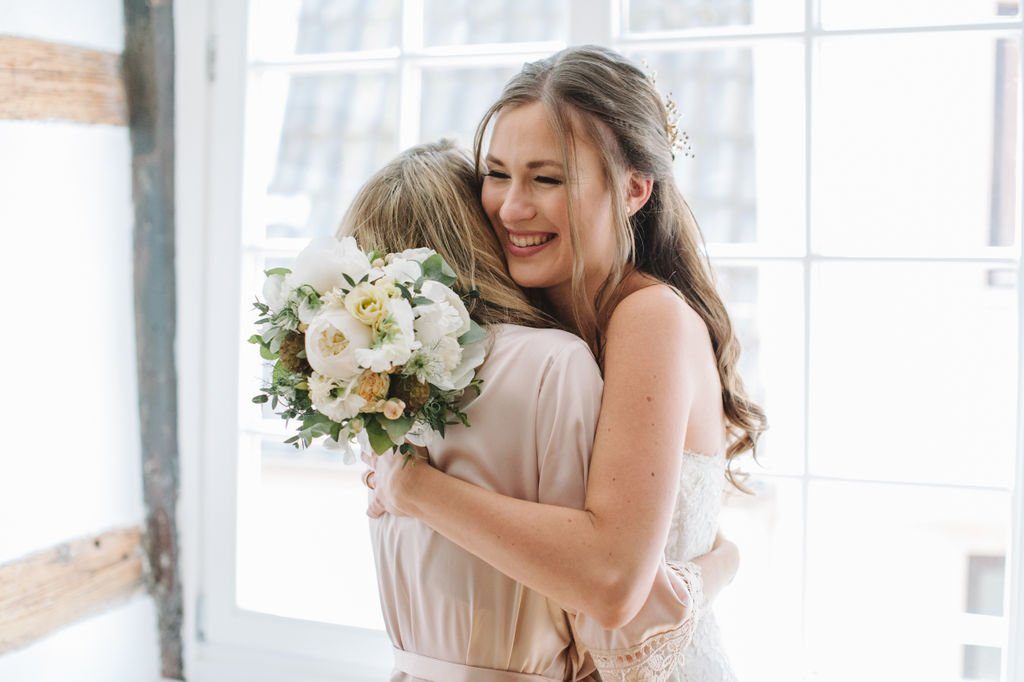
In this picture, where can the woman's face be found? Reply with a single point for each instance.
(525, 195)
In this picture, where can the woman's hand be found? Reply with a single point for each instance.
(719, 565)
(392, 482)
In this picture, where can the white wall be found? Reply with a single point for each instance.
(70, 463)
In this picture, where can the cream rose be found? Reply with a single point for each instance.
(368, 303)
(373, 386)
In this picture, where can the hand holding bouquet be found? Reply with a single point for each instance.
(369, 349)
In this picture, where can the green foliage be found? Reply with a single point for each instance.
(379, 440)
(476, 333)
(397, 428)
(436, 269)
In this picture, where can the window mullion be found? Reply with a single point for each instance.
(410, 74)
(1013, 653)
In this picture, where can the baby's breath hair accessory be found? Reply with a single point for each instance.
(678, 139)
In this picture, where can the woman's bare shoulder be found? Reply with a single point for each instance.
(656, 308)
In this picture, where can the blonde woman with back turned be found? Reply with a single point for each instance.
(450, 615)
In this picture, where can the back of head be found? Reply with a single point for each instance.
(428, 196)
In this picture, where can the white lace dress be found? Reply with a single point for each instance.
(694, 523)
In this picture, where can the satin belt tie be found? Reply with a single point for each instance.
(435, 669)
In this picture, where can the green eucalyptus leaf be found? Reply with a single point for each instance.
(397, 428)
(379, 440)
(476, 333)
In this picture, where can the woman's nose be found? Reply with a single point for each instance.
(516, 206)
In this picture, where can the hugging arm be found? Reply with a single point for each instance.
(602, 557)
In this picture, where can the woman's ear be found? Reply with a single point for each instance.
(638, 190)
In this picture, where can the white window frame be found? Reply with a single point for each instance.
(223, 642)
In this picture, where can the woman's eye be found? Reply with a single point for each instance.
(548, 180)
(496, 174)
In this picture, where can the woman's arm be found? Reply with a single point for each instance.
(601, 559)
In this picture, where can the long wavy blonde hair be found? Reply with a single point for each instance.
(429, 196)
(597, 94)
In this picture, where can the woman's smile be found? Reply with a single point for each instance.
(524, 244)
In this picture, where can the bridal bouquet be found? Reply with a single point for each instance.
(369, 349)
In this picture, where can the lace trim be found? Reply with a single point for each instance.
(657, 657)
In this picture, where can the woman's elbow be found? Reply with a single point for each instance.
(619, 602)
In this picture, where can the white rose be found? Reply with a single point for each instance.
(368, 303)
(325, 261)
(394, 340)
(333, 341)
(345, 406)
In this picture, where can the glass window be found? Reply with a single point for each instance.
(863, 13)
(455, 100)
(461, 22)
(921, 170)
(652, 16)
(313, 140)
(742, 109)
(887, 572)
(282, 28)
(912, 373)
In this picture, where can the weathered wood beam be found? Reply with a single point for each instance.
(40, 80)
(56, 587)
(149, 80)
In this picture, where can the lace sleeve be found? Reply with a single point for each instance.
(632, 653)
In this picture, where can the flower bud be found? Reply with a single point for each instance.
(393, 408)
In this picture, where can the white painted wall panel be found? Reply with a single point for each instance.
(119, 645)
(70, 463)
(87, 23)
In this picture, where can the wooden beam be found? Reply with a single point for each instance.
(41, 80)
(53, 588)
(149, 80)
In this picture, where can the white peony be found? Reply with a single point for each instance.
(394, 340)
(403, 270)
(325, 261)
(472, 357)
(333, 341)
(345, 406)
(419, 255)
(453, 307)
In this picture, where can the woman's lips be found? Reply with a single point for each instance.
(527, 243)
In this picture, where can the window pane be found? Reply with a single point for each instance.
(652, 16)
(303, 542)
(759, 612)
(279, 28)
(743, 109)
(454, 100)
(846, 14)
(913, 372)
(888, 574)
(312, 142)
(915, 144)
(765, 304)
(459, 22)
